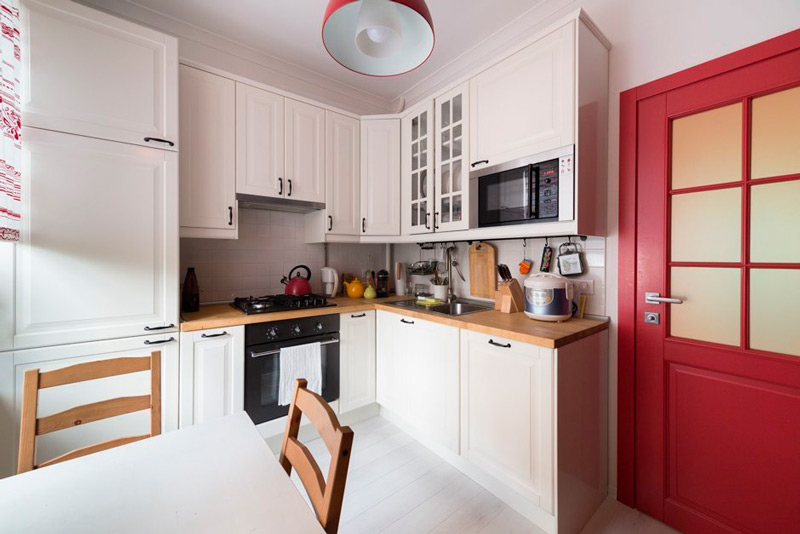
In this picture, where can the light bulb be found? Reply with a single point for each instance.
(378, 34)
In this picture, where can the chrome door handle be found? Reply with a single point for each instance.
(656, 298)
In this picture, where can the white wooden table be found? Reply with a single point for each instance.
(219, 477)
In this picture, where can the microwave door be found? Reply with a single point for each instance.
(504, 197)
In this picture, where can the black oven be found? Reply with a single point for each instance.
(539, 188)
(263, 343)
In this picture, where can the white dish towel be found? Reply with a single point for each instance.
(301, 361)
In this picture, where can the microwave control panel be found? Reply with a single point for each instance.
(547, 193)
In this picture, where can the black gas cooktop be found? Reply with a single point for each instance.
(278, 303)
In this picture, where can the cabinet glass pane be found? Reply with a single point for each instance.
(457, 108)
(775, 141)
(423, 160)
(423, 146)
(457, 176)
(456, 208)
(423, 213)
(414, 163)
(414, 149)
(457, 131)
(445, 151)
(423, 184)
(446, 136)
(446, 210)
(414, 128)
(707, 147)
(414, 186)
(711, 305)
(774, 313)
(423, 124)
(775, 222)
(707, 226)
(414, 212)
(446, 114)
(457, 148)
(445, 178)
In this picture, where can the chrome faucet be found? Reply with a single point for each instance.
(452, 262)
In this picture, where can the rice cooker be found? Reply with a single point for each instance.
(548, 297)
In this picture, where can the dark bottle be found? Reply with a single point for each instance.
(382, 283)
(190, 296)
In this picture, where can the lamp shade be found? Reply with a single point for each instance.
(378, 37)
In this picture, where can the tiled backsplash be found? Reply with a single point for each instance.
(270, 244)
(511, 252)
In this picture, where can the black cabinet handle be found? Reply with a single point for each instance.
(330, 223)
(427, 226)
(435, 216)
(496, 344)
(290, 187)
(358, 316)
(479, 162)
(280, 186)
(406, 322)
(363, 225)
(230, 215)
(151, 328)
(149, 139)
(161, 342)
(223, 333)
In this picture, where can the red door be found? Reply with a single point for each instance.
(710, 216)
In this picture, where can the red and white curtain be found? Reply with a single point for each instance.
(10, 141)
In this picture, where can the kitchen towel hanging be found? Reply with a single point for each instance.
(10, 143)
(301, 361)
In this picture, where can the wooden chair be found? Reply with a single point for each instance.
(34, 381)
(326, 496)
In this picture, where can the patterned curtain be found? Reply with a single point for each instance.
(10, 142)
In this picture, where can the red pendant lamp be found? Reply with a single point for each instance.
(378, 37)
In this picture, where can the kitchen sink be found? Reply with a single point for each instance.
(453, 309)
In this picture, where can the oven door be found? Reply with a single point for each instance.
(505, 197)
(262, 375)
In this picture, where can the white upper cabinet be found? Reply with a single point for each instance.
(208, 155)
(417, 170)
(93, 74)
(259, 142)
(380, 177)
(104, 264)
(342, 175)
(305, 152)
(452, 161)
(525, 104)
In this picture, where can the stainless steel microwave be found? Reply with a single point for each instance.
(539, 188)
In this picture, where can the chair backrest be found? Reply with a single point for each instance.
(31, 426)
(326, 495)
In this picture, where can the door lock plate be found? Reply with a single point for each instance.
(652, 318)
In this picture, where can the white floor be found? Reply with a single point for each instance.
(395, 485)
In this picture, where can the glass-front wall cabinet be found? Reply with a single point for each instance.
(417, 169)
(452, 175)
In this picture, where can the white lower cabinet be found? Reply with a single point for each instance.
(357, 360)
(507, 413)
(418, 378)
(211, 374)
(57, 399)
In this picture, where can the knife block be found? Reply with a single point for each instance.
(509, 297)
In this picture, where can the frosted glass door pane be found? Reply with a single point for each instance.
(707, 147)
(774, 311)
(776, 134)
(775, 222)
(707, 226)
(711, 304)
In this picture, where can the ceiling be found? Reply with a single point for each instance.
(290, 30)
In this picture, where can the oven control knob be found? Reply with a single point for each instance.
(319, 326)
(272, 332)
(296, 330)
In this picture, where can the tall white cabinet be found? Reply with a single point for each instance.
(342, 174)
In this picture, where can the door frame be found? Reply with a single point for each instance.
(628, 199)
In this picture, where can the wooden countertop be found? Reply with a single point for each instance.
(516, 326)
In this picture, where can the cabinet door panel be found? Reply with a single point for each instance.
(392, 377)
(305, 151)
(507, 391)
(417, 188)
(54, 400)
(357, 348)
(212, 374)
(97, 75)
(342, 175)
(208, 151)
(259, 142)
(525, 104)
(98, 256)
(451, 210)
(380, 177)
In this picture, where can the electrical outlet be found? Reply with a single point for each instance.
(586, 287)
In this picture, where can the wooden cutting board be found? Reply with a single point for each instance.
(482, 274)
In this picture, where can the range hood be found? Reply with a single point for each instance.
(277, 204)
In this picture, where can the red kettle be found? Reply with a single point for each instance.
(297, 285)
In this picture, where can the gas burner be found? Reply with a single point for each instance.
(276, 303)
